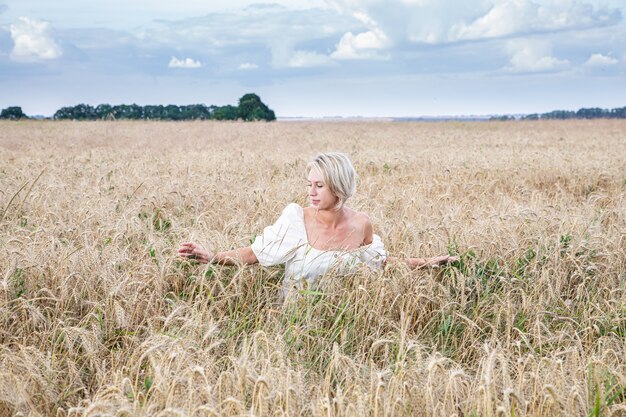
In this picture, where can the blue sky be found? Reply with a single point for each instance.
(317, 57)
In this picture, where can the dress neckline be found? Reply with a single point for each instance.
(306, 237)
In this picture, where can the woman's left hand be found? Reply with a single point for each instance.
(442, 260)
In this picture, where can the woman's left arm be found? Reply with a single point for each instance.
(413, 263)
(419, 263)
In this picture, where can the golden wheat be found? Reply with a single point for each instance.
(98, 317)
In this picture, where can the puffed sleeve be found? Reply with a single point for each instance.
(374, 254)
(279, 242)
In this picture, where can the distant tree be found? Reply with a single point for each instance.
(127, 112)
(593, 113)
(78, 112)
(559, 114)
(84, 112)
(154, 112)
(12, 113)
(172, 112)
(502, 118)
(62, 113)
(582, 113)
(195, 112)
(227, 112)
(618, 113)
(104, 112)
(252, 108)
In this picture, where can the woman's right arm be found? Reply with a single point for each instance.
(191, 250)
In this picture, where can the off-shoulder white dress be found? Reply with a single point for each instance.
(286, 242)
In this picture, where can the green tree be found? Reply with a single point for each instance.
(84, 112)
(172, 112)
(154, 112)
(12, 113)
(227, 112)
(252, 108)
(559, 114)
(195, 112)
(618, 113)
(63, 113)
(104, 112)
(78, 112)
(502, 118)
(592, 113)
(128, 112)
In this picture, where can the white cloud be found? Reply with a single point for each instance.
(533, 56)
(502, 19)
(362, 45)
(365, 19)
(248, 66)
(249, 34)
(599, 60)
(444, 21)
(303, 59)
(359, 46)
(184, 63)
(511, 17)
(32, 41)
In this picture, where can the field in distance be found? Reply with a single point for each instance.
(99, 317)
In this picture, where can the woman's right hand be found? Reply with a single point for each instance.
(193, 251)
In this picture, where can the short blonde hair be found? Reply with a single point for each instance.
(337, 172)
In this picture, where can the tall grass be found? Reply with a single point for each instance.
(98, 317)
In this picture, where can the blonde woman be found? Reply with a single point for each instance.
(325, 236)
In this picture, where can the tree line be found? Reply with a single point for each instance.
(250, 108)
(583, 113)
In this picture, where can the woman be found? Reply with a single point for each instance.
(326, 236)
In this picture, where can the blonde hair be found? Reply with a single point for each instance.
(337, 172)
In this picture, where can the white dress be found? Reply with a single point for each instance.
(286, 242)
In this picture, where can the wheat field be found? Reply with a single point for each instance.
(99, 318)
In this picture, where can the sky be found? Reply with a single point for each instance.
(317, 58)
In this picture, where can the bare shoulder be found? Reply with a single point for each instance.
(308, 212)
(361, 221)
(362, 218)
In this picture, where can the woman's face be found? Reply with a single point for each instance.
(320, 195)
